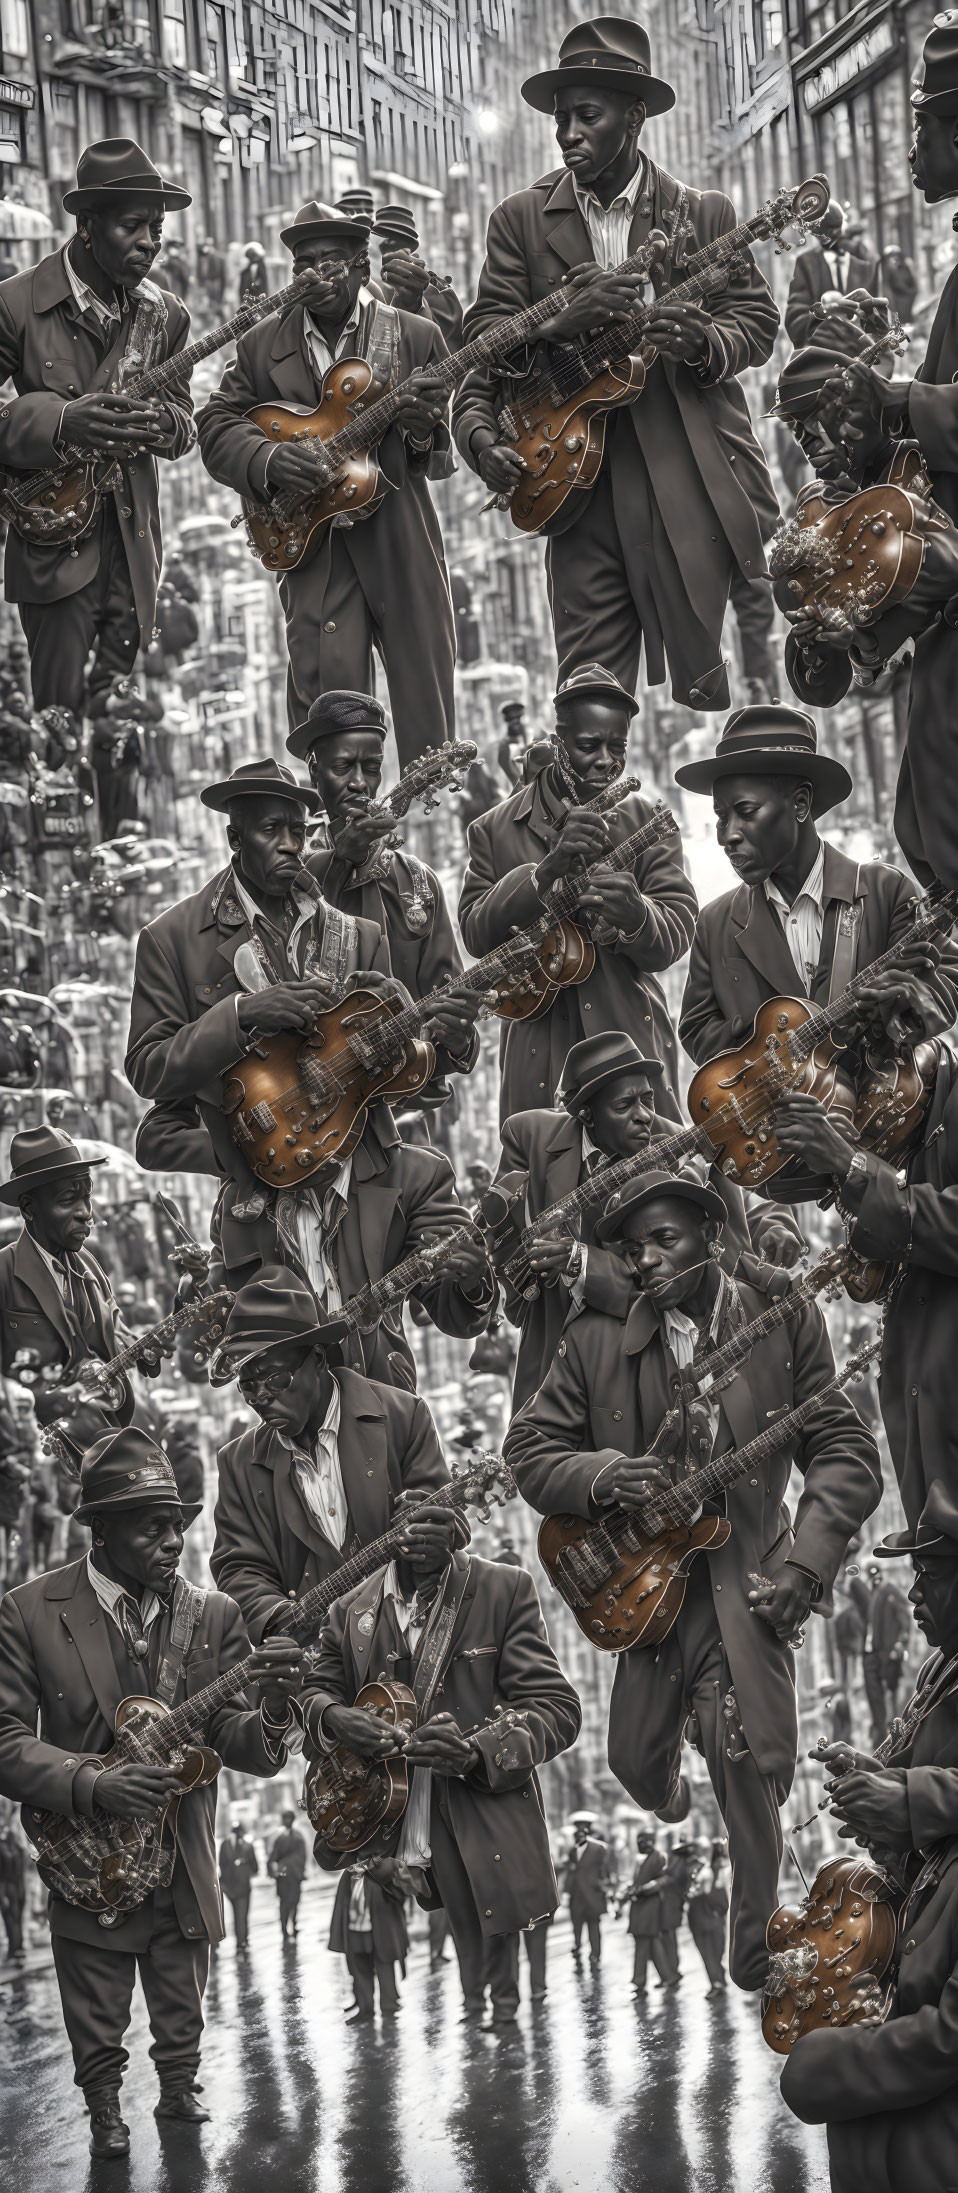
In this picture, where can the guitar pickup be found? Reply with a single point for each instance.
(263, 1118)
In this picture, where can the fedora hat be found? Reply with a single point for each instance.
(118, 168)
(336, 711)
(937, 91)
(39, 1153)
(614, 54)
(272, 1311)
(935, 1532)
(356, 205)
(266, 779)
(685, 1187)
(592, 681)
(124, 1469)
(800, 381)
(590, 1064)
(316, 223)
(771, 741)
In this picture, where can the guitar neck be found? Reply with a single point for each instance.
(367, 1309)
(169, 370)
(126, 1357)
(682, 1502)
(939, 914)
(740, 1344)
(608, 1178)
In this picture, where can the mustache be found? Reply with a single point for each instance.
(654, 1286)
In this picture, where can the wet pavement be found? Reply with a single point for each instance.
(593, 2092)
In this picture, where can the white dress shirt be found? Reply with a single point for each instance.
(295, 941)
(804, 921)
(837, 264)
(317, 348)
(318, 1477)
(359, 1920)
(609, 226)
(109, 1593)
(108, 315)
(317, 1215)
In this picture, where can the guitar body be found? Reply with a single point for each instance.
(846, 564)
(826, 1960)
(565, 957)
(563, 444)
(639, 1599)
(109, 1866)
(348, 389)
(749, 1151)
(354, 1802)
(298, 1104)
(892, 1097)
(65, 508)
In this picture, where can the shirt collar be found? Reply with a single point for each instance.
(330, 1425)
(813, 887)
(589, 1148)
(86, 298)
(364, 298)
(680, 1321)
(255, 913)
(109, 1593)
(587, 200)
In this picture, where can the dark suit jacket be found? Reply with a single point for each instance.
(183, 1028)
(606, 1395)
(498, 896)
(384, 1904)
(811, 277)
(889, 2094)
(500, 1657)
(287, 1856)
(34, 1315)
(408, 904)
(238, 1867)
(58, 1673)
(266, 1551)
(694, 431)
(587, 1879)
(933, 400)
(52, 355)
(740, 955)
(645, 1912)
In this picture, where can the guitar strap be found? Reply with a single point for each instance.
(380, 343)
(433, 1650)
(845, 954)
(338, 955)
(188, 1604)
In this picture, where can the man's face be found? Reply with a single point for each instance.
(666, 1241)
(283, 1386)
(831, 230)
(592, 127)
(595, 736)
(757, 822)
(644, 1843)
(125, 239)
(934, 1599)
(819, 437)
(335, 264)
(59, 1212)
(289, 1819)
(268, 837)
(934, 157)
(622, 1112)
(347, 772)
(582, 1832)
(143, 1543)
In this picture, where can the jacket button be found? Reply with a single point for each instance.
(718, 1587)
(488, 1914)
(496, 1855)
(908, 1946)
(370, 1473)
(914, 1390)
(498, 1758)
(616, 1416)
(331, 626)
(69, 1762)
(587, 1007)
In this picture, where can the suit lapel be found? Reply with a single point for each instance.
(565, 1165)
(290, 1511)
(363, 1458)
(566, 231)
(291, 372)
(34, 1274)
(375, 1204)
(762, 940)
(84, 1620)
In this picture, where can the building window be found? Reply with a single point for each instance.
(174, 33)
(14, 29)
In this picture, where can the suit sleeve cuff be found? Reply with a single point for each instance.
(84, 1785)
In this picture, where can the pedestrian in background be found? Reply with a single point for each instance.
(238, 1868)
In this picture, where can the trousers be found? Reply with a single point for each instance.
(289, 1889)
(659, 1949)
(239, 1906)
(484, 1961)
(594, 1930)
(364, 1970)
(101, 618)
(96, 1993)
(536, 1939)
(646, 1732)
(11, 1912)
(710, 1942)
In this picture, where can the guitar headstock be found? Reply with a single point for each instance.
(799, 209)
(486, 1479)
(430, 772)
(858, 1362)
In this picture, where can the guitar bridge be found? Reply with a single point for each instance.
(263, 1118)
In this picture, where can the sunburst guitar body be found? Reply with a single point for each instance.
(562, 444)
(348, 390)
(734, 1092)
(353, 1803)
(624, 1585)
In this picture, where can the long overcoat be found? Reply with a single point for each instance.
(645, 1912)
(498, 896)
(587, 1880)
(267, 1552)
(53, 354)
(499, 1657)
(34, 1316)
(605, 1397)
(60, 1687)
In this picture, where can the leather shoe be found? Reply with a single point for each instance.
(109, 2136)
(181, 2102)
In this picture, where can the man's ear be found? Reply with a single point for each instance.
(636, 117)
(803, 802)
(27, 1208)
(233, 839)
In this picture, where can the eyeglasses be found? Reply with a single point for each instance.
(263, 1383)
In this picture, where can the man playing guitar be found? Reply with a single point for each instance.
(66, 328)
(382, 580)
(683, 492)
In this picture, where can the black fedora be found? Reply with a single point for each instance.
(598, 1059)
(686, 1187)
(274, 1310)
(591, 681)
(771, 741)
(266, 779)
(936, 1531)
(39, 1153)
(316, 223)
(336, 711)
(798, 395)
(118, 168)
(613, 53)
(937, 91)
(356, 205)
(125, 1469)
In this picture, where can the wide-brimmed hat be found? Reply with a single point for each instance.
(935, 1532)
(598, 1059)
(38, 1153)
(771, 741)
(800, 381)
(276, 1309)
(125, 1469)
(320, 224)
(335, 712)
(357, 205)
(613, 53)
(266, 779)
(685, 1187)
(937, 89)
(118, 168)
(592, 679)
(396, 224)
